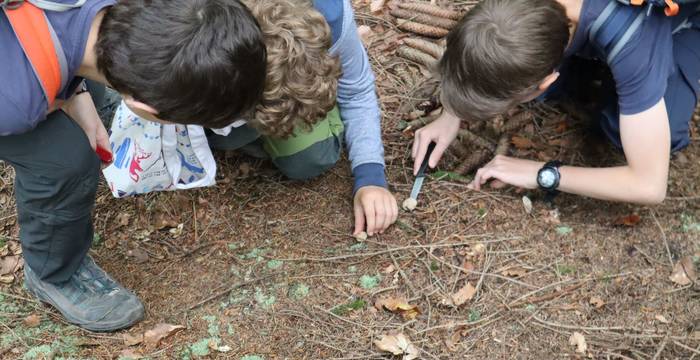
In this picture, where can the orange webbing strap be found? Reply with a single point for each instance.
(31, 28)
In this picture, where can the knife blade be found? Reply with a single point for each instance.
(418, 183)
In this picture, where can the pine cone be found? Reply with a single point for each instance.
(517, 121)
(422, 29)
(416, 56)
(475, 160)
(424, 18)
(471, 138)
(431, 10)
(427, 47)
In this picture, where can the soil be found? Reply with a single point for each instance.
(267, 268)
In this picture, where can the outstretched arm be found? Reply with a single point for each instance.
(646, 142)
(375, 207)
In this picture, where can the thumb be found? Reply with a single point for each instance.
(359, 219)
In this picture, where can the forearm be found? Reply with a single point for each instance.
(614, 184)
(359, 106)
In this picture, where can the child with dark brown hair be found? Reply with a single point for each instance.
(505, 52)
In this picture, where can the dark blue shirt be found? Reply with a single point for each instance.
(22, 101)
(642, 68)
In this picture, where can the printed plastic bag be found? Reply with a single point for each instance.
(149, 156)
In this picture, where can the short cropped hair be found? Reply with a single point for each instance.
(499, 53)
(302, 76)
(194, 61)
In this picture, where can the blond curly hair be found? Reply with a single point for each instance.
(302, 76)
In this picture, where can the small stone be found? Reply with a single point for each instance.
(409, 204)
(527, 204)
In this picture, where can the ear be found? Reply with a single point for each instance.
(548, 81)
(139, 107)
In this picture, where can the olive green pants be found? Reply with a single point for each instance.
(304, 155)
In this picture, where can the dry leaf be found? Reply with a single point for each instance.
(522, 143)
(123, 219)
(597, 302)
(399, 306)
(361, 236)
(579, 341)
(629, 220)
(32, 320)
(376, 6)
(162, 222)
(130, 354)
(479, 249)
(389, 269)
(10, 264)
(7, 279)
(131, 340)
(684, 272)
(514, 272)
(527, 204)
(397, 344)
(153, 337)
(463, 295)
(662, 319)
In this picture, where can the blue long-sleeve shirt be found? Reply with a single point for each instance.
(357, 98)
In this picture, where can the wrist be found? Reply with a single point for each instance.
(371, 174)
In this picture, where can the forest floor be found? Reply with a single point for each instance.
(260, 267)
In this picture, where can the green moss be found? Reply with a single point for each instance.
(344, 309)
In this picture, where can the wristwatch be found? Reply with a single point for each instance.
(548, 177)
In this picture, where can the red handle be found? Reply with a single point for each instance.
(104, 154)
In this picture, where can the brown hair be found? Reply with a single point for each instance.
(499, 53)
(185, 58)
(302, 77)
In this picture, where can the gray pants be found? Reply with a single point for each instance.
(56, 176)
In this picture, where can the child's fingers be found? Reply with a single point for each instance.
(380, 215)
(390, 216)
(359, 219)
(435, 157)
(370, 215)
(423, 142)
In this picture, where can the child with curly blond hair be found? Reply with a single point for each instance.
(319, 91)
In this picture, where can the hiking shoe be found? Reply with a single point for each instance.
(91, 299)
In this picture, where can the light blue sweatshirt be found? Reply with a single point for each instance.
(357, 98)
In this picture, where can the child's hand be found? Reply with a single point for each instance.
(516, 172)
(442, 131)
(376, 207)
(82, 110)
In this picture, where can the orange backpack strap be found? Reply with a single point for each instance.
(41, 46)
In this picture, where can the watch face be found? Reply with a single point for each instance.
(547, 178)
